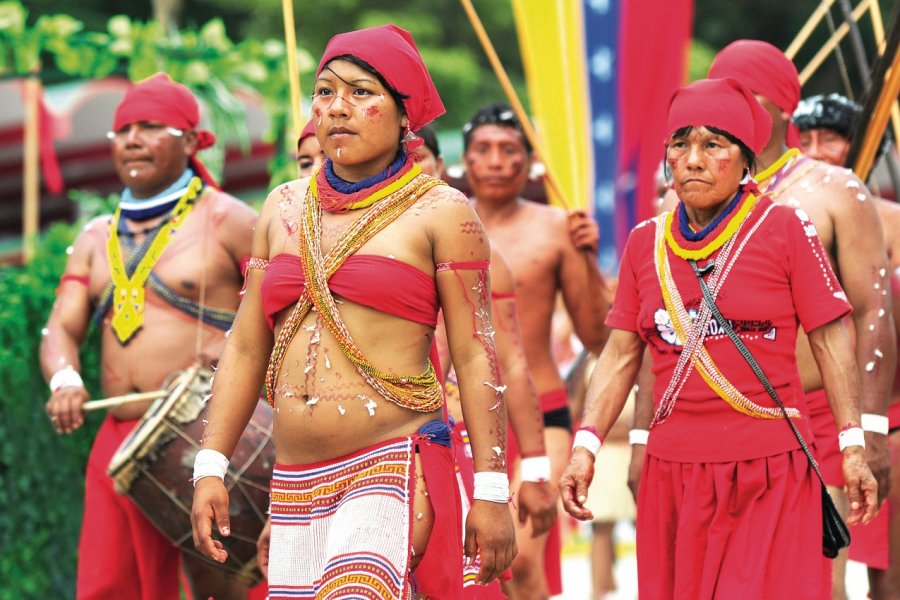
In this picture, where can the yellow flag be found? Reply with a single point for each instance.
(551, 41)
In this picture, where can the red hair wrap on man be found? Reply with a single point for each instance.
(766, 71)
(725, 104)
(392, 52)
(159, 99)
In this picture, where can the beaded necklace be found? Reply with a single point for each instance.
(775, 180)
(421, 393)
(128, 295)
(336, 195)
(694, 353)
(717, 234)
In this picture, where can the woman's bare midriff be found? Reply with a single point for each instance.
(324, 409)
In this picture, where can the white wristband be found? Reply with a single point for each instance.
(536, 469)
(852, 436)
(875, 423)
(209, 463)
(587, 439)
(638, 436)
(491, 486)
(67, 377)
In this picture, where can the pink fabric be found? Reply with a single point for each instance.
(554, 400)
(766, 71)
(439, 574)
(120, 554)
(781, 274)
(362, 279)
(159, 99)
(725, 104)
(825, 433)
(392, 52)
(748, 529)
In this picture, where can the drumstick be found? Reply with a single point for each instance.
(125, 399)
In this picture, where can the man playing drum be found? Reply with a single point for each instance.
(162, 279)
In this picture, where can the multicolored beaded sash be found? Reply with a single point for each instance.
(420, 393)
(694, 354)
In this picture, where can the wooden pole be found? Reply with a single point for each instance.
(880, 115)
(513, 98)
(878, 30)
(290, 43)
(31, 190)
(832, 42)
(808, 28)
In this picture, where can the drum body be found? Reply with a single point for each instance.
(154, 466)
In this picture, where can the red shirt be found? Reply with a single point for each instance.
(781, 277)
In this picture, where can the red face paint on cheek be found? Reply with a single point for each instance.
(318, 112)
(371, 111)
(723, 164)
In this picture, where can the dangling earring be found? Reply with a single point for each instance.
(748, 178)
(409, 136)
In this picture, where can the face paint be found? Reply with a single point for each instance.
(371, 111)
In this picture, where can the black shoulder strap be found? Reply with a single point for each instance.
(745, 352)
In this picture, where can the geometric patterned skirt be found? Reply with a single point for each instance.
(342, 528)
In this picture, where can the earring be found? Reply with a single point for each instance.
(409, 136)
(748, 178)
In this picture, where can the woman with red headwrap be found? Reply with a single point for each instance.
(349, 271)
(728, 505)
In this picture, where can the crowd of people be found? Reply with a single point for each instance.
(397, 327)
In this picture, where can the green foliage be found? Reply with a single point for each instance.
(205, 59)
(699, 59)
(41, 473)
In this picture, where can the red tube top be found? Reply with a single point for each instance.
(379, 282)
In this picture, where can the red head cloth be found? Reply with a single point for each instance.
(308, 131)
(725, 104)
(161, 100)
(392, 52)
(766, 71)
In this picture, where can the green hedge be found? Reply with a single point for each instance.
(41, 473)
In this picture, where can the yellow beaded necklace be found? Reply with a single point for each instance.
(128, 295)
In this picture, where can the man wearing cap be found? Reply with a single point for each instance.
(825, 123)
(161, 277)
(846, 219)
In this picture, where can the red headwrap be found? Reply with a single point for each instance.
(392, 52)
(766, 71)
(161, 100)
(725, 104)
(308, 131)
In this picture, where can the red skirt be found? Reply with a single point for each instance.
(749, 529)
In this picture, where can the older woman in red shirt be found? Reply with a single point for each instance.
(729, 505)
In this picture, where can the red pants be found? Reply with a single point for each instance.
(748, 529)
(120, 554)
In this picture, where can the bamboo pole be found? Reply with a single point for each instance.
(513, 98)
(31, 191)
(832, 42)
(879, 120)
(803, 35)
(880, 41)
(290, 42)
(125, 399)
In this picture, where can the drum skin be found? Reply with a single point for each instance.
(154, 465)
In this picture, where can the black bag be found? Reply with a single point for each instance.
(835, 534)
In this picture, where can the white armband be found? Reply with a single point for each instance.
(852, 436)
(492, 487)
(875, 423)
(209, 463)
(67, 377)
(638, 436)
(536, 469)
(587, 438)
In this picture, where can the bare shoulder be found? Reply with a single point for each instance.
(234, 210)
